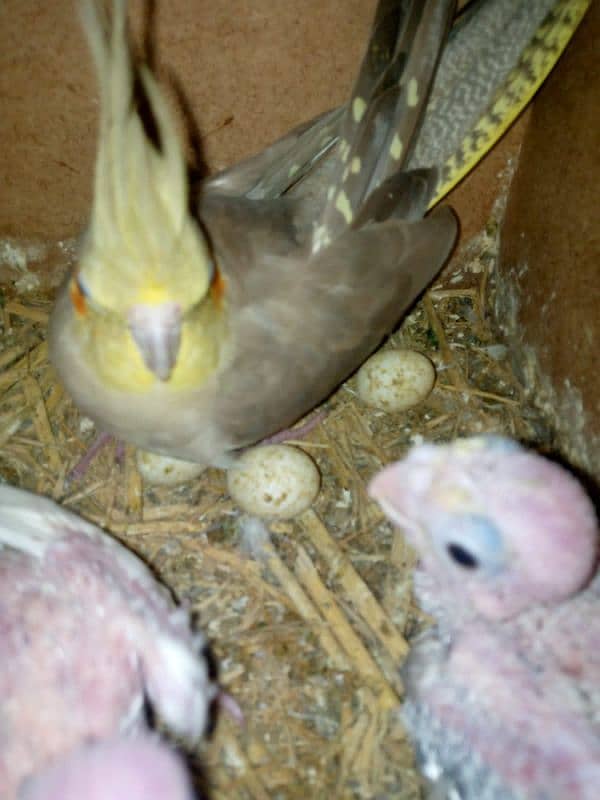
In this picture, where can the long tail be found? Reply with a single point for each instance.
(383, 115)
(509, 97)
(498, 54)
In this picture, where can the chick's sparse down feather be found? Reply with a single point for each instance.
(88, 638)
(195, 333)
(503, 693)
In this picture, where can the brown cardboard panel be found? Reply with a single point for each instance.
(248, 70)
(474, 198)
(551, 240)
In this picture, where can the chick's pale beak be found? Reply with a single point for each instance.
(384, 487)
(156, 331)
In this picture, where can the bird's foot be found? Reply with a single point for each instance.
(298, 432)
(227, 703)
(99, 443)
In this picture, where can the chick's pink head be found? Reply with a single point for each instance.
(121, 769)
(495, 525)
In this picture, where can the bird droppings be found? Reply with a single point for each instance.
(395, 380)
(274, 481)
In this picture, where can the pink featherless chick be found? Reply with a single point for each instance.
(143, 768)
(503, 693)
(88, 641)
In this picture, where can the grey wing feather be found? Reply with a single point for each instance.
(274, 170)
(483, 46)
(300, 327)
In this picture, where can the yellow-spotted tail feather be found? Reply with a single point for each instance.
(512, 97)
(384, 112)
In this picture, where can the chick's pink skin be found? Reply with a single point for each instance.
(546, 523)
(87, 636)
(120, 769)
(511, 671)
(518, 702)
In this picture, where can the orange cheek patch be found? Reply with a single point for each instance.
(77, 297)
(217, 288)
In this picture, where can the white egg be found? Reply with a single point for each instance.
(275, 480)
(164, 470)
(395, 380)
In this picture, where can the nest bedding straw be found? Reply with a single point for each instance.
(308, 625)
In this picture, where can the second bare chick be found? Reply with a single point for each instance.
(503, 693)
(88, 639)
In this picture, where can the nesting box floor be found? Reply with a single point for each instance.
(308, 633)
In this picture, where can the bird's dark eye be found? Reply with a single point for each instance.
(462, 556)
(471, 542)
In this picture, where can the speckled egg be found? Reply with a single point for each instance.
(274, 481)
(395, 380)
(164, 470)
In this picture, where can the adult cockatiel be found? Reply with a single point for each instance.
(503, 693)
(88, 640)
(194, 326)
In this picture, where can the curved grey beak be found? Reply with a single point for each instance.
(156, 331)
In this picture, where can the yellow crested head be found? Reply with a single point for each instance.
(142, 244)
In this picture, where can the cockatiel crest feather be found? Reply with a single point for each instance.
(197, 339)
(142, 244)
